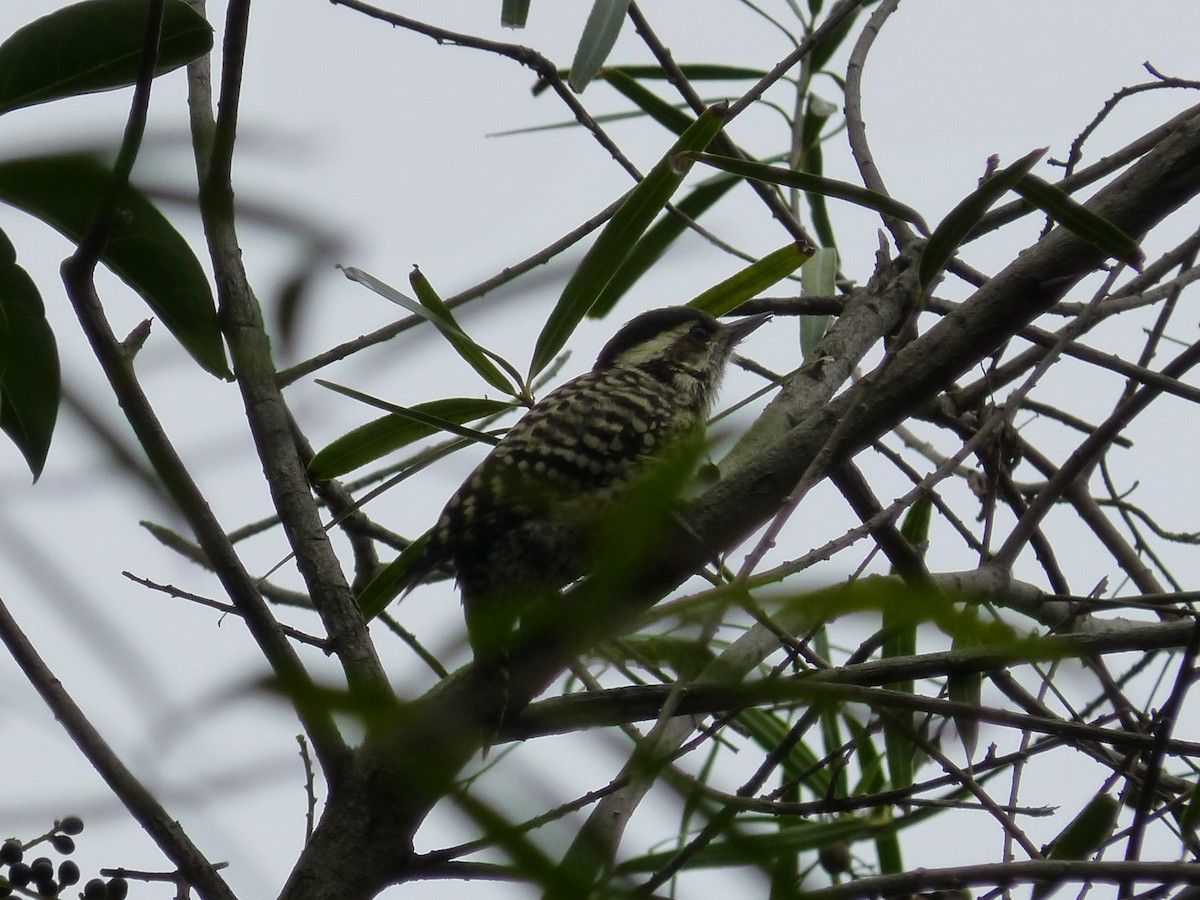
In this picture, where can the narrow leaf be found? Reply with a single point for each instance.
(817, 279)
(806, 181)
(145, 251)
(1085, 834)
(752, 280)
(416, 415)
(1078, 219)
(391, 580)
(29, 372)
(385, 290)
(514, 13)
(475, 355)
(657, 240)
(599, 35)
(946, 238)
(665, 114)
(93, 46)
(692, 72)
(817, 113)
(385, 435)
(617, 239)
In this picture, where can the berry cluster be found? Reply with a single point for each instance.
(39, 878)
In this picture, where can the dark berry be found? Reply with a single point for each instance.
(11, 852)
(46, 887)
(835, 858)
(95, 890)
(62, 844)
(118, 888)
(68, 873)
(41, 868)
(71, 825)
(19, 874)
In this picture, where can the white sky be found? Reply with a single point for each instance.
(379, 137)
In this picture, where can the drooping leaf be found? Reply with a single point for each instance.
(478, 357)
(756, 849)
(1083, 836)
(385, 435)
(93, 46)
(428, 305)
(1078, 219)
(599, 35)
(145, 251)
(692, 72)
(946, 238)
(806, 181)
(768, 729)
(656, 241)
(391, 580)
(416, 415)
(901, 641)
(619, 236)
(817, 112)
(514, 13)
(753, 279)
(665, 114)
(30, 388)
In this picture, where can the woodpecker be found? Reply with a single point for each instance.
(518, 528)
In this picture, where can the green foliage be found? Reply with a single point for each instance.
(391, 580)
(145, 251)
(399, 429)
(753, 279)
(618, 238)
(816, 184)
(599, 35)
(29, 374)
(950, 232)
(93, 46)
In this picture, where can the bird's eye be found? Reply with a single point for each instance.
(699, 333)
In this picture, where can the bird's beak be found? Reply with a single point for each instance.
(740, 329)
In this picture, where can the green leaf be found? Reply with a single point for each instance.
(475, 355)
(430, 306)
(915, 528)
(692, 72)
(437, 424)
(93, 46)
(806, 181)
(29, 374)
(514, 13)
(949, 235)
(657, 240)
(769, 730)
(145, 251)
(665, 114)
(753, 279)
(817, 112)
(617, 239)
(392, 579)
(1190, 817)
(1078, 219)
(1085, 834)
(1088, 831)
(754, 849)
(599, 35)
(817, 279)
(385, 435)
